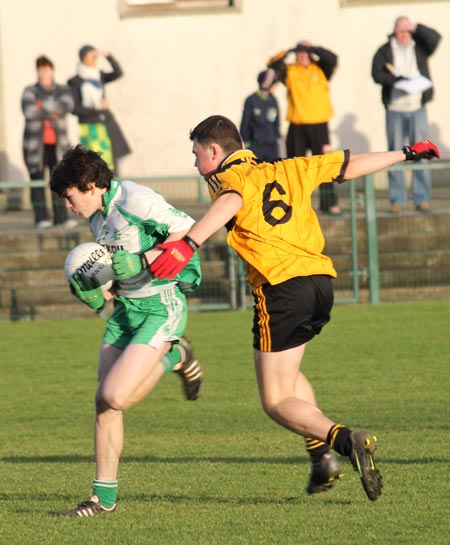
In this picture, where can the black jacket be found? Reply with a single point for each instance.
(120, 146)
(91, 115)
(426, 40)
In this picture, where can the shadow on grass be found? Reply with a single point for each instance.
(64, 459)
(168, 498)
(172, 498)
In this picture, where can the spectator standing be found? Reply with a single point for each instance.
(99, 130)
(45, 105)
(405, 57)
(260, 124)
(309, 106)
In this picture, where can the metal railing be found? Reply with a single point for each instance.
(355, 244)
(441, 205)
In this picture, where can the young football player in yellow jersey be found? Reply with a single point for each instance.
(272, 226)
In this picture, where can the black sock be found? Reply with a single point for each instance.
(316, 449)
(339, 439)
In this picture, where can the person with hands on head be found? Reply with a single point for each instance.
(99, 130)
(405, 57)
(272, 226)
(143, 338)
(309, 106)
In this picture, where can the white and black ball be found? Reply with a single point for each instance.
(93, 260)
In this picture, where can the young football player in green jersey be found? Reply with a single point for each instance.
(272, 226)
(143, 338)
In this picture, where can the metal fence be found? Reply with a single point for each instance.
(379, 256)
(408, 254)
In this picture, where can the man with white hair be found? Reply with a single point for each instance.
(398, 66)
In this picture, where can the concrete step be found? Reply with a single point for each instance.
(50, 239)
(414, 242)
(428, 261)
(414, 260)
(51, 312)
(37, 295)
(39, 279)
(414, 223)
(33, 260)
(411, 293)
(422, 278)
(425, 260)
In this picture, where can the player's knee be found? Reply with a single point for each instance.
(110, 400)
(270, 409)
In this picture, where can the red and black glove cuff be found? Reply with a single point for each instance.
(191, 243)
(421, 150)
(410, 154)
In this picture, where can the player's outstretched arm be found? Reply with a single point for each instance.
(367, 163)
(218, 215)
(177, 254)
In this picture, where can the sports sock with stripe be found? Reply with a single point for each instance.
(316, 449)
(339, 439)
(106, 491)
(171, 358)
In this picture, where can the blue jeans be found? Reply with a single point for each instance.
(406, 128)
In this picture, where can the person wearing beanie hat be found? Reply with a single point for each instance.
(99, 130)
(84, 51)
(260, 124)
(309, 106)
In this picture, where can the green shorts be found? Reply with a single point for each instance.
(147, 320)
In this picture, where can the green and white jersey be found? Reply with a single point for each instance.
(136, 218)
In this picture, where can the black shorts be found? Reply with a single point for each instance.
(301, 138)
(291, 313)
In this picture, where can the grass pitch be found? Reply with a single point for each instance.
(217, 471)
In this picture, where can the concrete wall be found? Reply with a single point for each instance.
(180, 69)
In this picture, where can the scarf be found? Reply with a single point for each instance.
(91, 88)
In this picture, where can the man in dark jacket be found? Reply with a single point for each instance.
(260, 124)
(99, 131)
(400, 66)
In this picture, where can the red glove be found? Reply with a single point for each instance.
(176, 255)
(422, 150)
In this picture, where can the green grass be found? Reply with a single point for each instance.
(218, 471)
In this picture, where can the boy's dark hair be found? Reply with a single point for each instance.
(78, 168)
(43, 61)
(220, 130)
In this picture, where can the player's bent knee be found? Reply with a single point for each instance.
(110, 401)
(270, 409)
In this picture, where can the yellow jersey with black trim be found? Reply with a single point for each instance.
(276, 232)
(309, 100)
